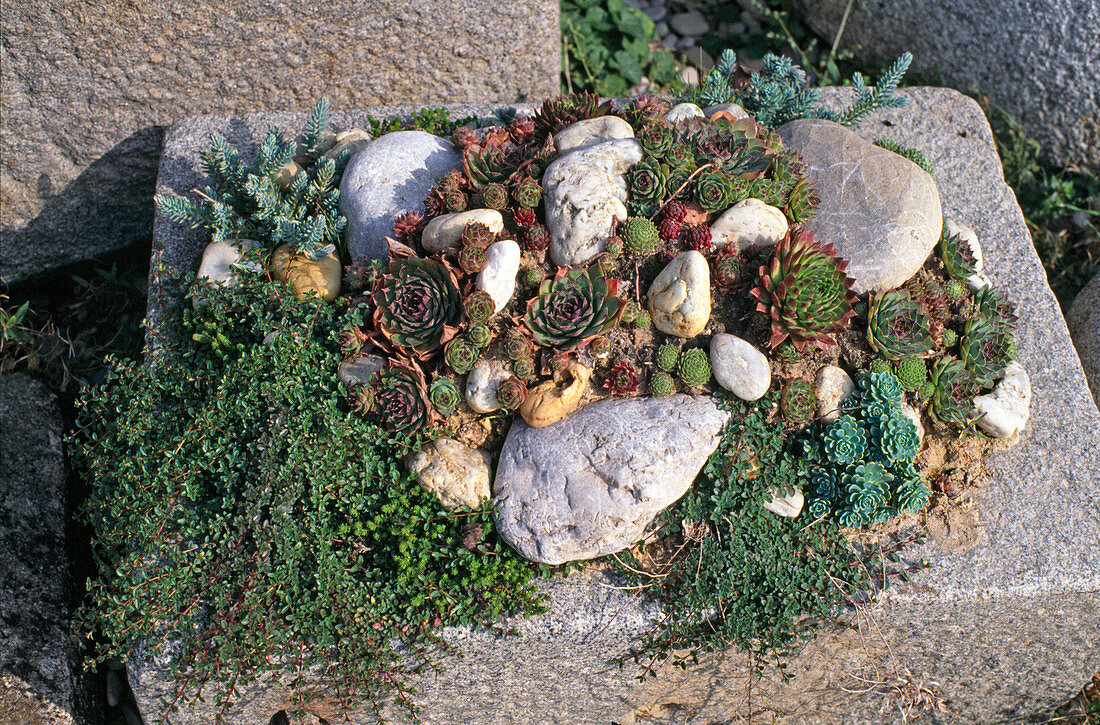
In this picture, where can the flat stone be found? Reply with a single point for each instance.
(739, 367)
(40, 676)
(81, 141)
(749, 222)
(585, 192)
(1006, 408)
(457, 474)
(389, 177)
(1084, 325)
(590, 132)
(359, 369)
(679, 298)
(973, 621)
(589, 484)
(880, 210)
(219, 260)
(446, 230)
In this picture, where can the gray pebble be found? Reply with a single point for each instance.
(656, 13)
(114, 688)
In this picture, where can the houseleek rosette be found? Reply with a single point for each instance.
(416, 305)
(896, 326)
(400, 399)
(576, 305)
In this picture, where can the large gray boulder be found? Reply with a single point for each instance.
(89, 91)
(1006, 627)
(589, 484)
(39, 666)
(1084, 325)
(1038, 61)
(880, 210)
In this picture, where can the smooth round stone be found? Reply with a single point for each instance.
(679, 299)
(831, 388)
(684, 111)
(977, 280)
(550, 401)
(591, 131)
(732, 109)
(912, 414)
(389, 177)
(789, 506)
(739, 367)
(359, 369)
(481, 386)
(219, 260)
(498, 276)
(879, 210)
(457, 474)
(584, 192)
(747, 222)
(446, 230)
(691, 24)
(307, 276)
(1008, 406)
(353, 141)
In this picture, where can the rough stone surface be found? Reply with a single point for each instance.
(457, 474)
(1039, 62)
(584, 192)
(89, 90)
(733, 109)
(749, 222)
(591, 131)
(359, 369)
(1084, 325)
(38, 664)
(1007, 407)
(446, 230)
(388, 178)
(739, 367)
(880, 210)
(977, 280)
(679, 298)
(589, 485)
(1007, 627)
(831, 386)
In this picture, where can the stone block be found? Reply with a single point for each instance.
(1037, 61)
(38, 662)
(89, 89)
(1084, 325)
(1005, 627)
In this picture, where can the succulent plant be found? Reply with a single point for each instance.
(400, 399)
(669, 229)
(489, 165)
(879, 388)
(697, 236)
(574, 306)
(517, 345)
(479, 335)
(933, 296)
(675, 210)
(524, 368)
(621, 379)
(604, 263)
(896, 326)
(957, 257)
(880, 365)
(639, 235)
(826, 483)
(528, 193)
(494, 196)
(896, 436)
(416, 305)
(911, 492)
(993, 305)
(455, 201)
(362, 399)
(521, 129)
(802, 202)
(771, 192)
(630, 311)
(985, 350)
(557, 113)
(667, 355)
(511, 392)
(911, 373)
(614, 247)
(600, 346)
(524, 217)
(926, 391)
(444, 395)
(787, 352)
(362, 273)
(956, 290)
(955, 390)
(479, 306)
(464, 137)
(661, 384)
(805, 293)
(679, 185)
(460, 355)
(476, 234)
(533, 275)
(641, 320)
(713, 191)
(471, 259)
(727, 268)
(788, 167)
(866, 487)
(680, 156)
(796, 401)
(408, 225)
(658, 139)
(694, 367)
(948, 337)
(536, 238)
(647, 181)
(845, 440)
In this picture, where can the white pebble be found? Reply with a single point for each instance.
(446, 230)
(789, 506)
(739, 367)
(749, 222)
(1008, 406)
(831, 388)
(498, 276)
(481, 386)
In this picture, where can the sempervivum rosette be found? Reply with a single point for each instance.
(401, 400)
(417, 305)
(896, 326)
(576, 305)
(805, 293)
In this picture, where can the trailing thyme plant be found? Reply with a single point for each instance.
(241, 512)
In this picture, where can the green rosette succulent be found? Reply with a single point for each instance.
(657, 140)
(489, 165)
(524, 368)
(647, 181)
(713, 191)
(986, 349)
(805, 293)
(494, 196)
(661, 384)
(911, 492)
(444, 395)
(517, 345)
(993, 305)
(680, 158)
(680, 185)
(911, 373)
(802, 202)
(796, 401)
(896, 437)
(845, 440)
(528, 193)
(561, 111)
(639, 235)
(417, 305)
(478, 306)
(955, 390)
(826, 484)
(511, 393)
(867, 487)
(667, 355)
(460, 355)
(694, 368)
(574, 306)
(896, 326)
(479, 335)
(400, 400)
(957, 257)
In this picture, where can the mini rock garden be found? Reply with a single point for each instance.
(708, 341)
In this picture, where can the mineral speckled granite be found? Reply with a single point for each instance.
(1006, 627)
(89, 89)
